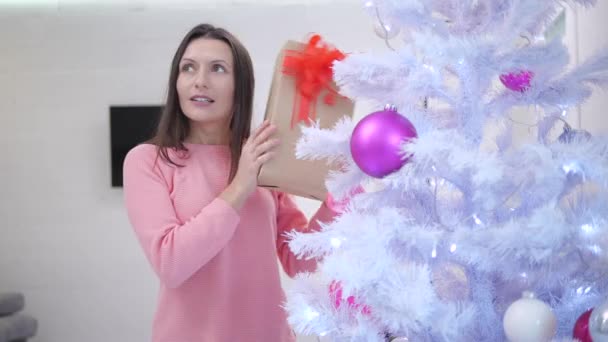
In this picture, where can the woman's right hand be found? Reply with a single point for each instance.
(257, 150)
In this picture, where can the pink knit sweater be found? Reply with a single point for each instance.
(218, 269)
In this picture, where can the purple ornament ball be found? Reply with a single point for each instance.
(377, 140)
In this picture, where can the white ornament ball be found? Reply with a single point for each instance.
(386, 30)
(598, 323)
(529, 320)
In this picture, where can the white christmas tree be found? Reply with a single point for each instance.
(456, 228)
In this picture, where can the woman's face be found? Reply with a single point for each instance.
(205, 83)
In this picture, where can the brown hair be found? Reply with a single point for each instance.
(173, 126)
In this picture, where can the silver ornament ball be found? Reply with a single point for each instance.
(571, 135)
(598, 323)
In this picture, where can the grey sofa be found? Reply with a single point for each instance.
(15, 326)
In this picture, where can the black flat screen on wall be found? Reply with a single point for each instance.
(129, 126)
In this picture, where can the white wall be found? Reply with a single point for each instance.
(592, 26)
(66, 242)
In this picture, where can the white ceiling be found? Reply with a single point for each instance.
(156, 4)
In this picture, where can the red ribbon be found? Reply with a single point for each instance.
(312, 69)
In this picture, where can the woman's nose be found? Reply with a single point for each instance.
(201, 80)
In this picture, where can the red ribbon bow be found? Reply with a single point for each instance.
(312, 69)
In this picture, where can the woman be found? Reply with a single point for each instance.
(211, 235)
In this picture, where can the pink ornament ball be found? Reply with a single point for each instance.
(517, 81)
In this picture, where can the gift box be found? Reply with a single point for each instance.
(302, 93)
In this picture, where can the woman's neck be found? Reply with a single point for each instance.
(209, 135)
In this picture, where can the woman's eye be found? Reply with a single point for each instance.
(187, 67)
(219, 68)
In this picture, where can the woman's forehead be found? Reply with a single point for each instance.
(204, 49)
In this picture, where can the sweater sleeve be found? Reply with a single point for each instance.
(176, 250)
(290, 218)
